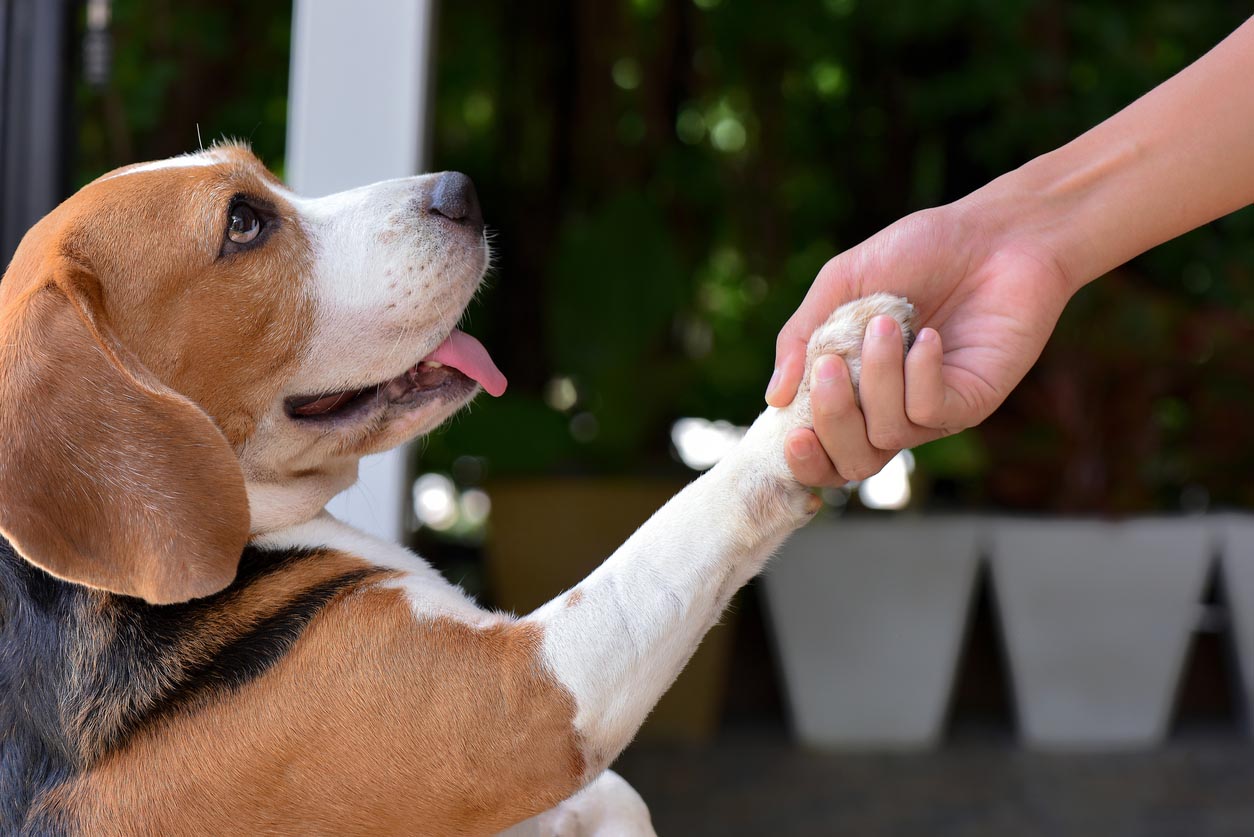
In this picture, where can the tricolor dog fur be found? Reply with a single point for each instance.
(192, 361)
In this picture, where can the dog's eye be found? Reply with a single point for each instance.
(243, 225)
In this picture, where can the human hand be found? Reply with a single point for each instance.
(989, 274)
(985, 303)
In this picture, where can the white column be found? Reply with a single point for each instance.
(357, 113)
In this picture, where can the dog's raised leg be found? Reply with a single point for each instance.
(606, 807)
(404, 708)
(618, 640)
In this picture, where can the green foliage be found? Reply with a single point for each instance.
(668, 177)
(184, 71)
(665, 178)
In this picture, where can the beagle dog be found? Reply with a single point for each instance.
(192, 361)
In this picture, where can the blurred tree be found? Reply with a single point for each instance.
(668, 175)
(184, 71)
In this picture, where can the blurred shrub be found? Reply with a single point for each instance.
(667, 178)
(184, 71)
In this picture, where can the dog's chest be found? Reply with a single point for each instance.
(81, 672)
(33, 756)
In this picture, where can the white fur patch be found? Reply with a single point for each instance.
(619, 644)
(607, 807)
(390, 281)
(430, 595)
(183, 161)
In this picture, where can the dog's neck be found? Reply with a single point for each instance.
(276, 504)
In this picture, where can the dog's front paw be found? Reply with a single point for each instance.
(842, 335)
(763, 448)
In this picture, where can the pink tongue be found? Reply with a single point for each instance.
(467, 355)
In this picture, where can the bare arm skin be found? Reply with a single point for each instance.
(990, 274)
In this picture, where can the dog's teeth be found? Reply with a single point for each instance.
(433, 364)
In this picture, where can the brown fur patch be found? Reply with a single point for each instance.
(375, 723)
(128, 349)
(185, 667)
(222, 331)
(109, 478)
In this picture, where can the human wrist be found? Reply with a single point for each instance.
(1145, 175)
(1048, 209)
(1024, 214)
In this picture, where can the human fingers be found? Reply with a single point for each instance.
(834, 286)
(882, 386)
(925, 393)
(790, 364)
(839, 424)
(808, 461)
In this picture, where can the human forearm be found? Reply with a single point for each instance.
(1178, 157)
(989, 274)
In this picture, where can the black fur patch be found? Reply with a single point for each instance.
(250, 655)
(82, 670)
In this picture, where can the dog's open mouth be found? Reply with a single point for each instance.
(453, 369)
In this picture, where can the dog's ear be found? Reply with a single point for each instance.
(108, 478)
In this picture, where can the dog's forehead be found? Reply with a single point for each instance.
(201, 159)
(180, 202)
(199, 180)
(227, 158)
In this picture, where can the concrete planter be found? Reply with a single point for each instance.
(548, 534)
(1097, 618)
(868, 618)
(1235, 537)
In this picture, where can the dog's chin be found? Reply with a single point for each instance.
(401, 422)
(387, 413)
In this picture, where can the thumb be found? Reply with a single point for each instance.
(790, 365)
(831, 289)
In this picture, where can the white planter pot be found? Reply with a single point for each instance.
(1236, 542)
(868, 617)
(1097, 618)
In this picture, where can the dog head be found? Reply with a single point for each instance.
(190, 352)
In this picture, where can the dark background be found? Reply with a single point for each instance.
(664, 180)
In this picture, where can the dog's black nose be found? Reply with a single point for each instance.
(454, 198)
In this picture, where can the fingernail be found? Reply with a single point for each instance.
(770, 387)
(825, 369)
(800, 449)
(883, 326)
(927, 335)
